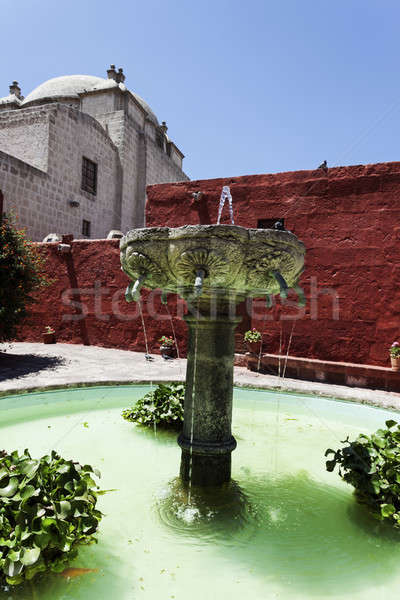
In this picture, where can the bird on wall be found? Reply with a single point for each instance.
(197, 196)
(323, 166)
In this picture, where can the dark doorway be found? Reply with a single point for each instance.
(269, 223)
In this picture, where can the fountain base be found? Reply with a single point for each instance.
(206, 464)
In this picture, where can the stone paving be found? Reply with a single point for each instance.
(28, 366)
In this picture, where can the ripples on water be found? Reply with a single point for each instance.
(224, 515)
(292, 526)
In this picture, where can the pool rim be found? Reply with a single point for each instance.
(16, 393)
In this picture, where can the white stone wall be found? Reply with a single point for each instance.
(125, 134)
(143, 162)
(25, 135)
(160, 168)
(99, 102)
(41, 199)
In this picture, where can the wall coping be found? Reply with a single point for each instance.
(323, 371)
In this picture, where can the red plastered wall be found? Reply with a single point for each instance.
(85, 304)
(349, 220)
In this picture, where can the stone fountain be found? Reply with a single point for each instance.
(213, 267)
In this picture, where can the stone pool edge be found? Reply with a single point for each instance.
(377, 398)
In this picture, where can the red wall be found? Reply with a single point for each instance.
(91, 277)
(349, 220)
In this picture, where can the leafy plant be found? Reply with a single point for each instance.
(47, 509)
(252, 335)
(394, 349)
(21, 274)
(166, 340)
(372, 465)
(163, 406)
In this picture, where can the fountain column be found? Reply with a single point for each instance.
(212, 267)
(206, 456)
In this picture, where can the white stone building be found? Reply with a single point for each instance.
(77, 154)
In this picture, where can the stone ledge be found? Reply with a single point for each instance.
(338, 373)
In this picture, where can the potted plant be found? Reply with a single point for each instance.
(49, 335)
(167, 346)
(252, 337)
(394, 352)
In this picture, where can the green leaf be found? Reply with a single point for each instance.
(387, 510)
(29, 467)
(28, 492)
(10, 489)
(378, 440)
(390, 423)
(30, 556)
(64, 509)
(4, 473)
(14, 568)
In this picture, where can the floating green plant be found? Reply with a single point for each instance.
(372, 465)
(47, 509)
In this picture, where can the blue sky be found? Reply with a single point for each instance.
(245, 87)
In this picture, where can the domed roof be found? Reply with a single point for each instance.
(70, 86)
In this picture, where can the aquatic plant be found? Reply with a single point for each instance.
(372, 465)
(47, 509)
(163, 406)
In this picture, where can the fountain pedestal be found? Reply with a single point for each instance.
(212, 267)
(206, 439)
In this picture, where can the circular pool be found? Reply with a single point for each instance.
(285, 528)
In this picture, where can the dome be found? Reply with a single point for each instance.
(70, 86)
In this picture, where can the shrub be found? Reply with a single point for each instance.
(47, 509)
(372, 465)
(163, 406)
(21, 274)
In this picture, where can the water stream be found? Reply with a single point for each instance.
(147, 360)
(288, 349)
(193, 407)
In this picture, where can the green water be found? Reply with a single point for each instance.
(285, 529)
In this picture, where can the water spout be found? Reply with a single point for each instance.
(198, 284)
(282, 284)
(132, 292)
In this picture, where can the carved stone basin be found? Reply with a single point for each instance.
(235, 260)
(213, 267)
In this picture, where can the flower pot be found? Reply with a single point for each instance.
(168, 351)
(254, 347)
(395, 360)
(49, 338)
